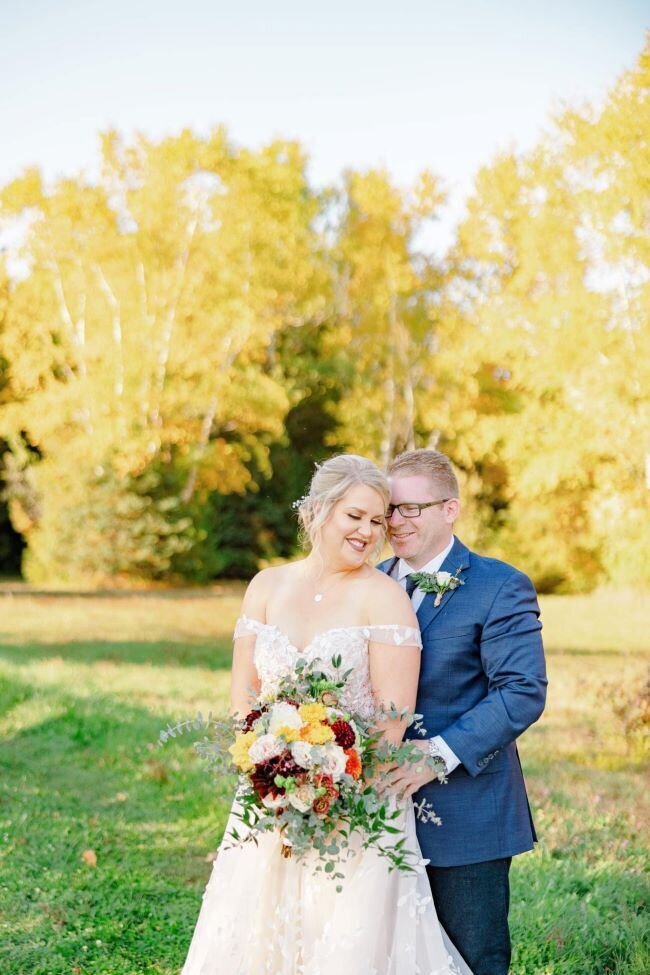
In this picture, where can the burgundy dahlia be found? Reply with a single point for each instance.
(343, 733)
(251, 718)
(262, 780)
(263, 776)
(285, 765)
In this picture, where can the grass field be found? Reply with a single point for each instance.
(106, 838)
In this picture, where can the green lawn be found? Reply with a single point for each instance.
(85, 685)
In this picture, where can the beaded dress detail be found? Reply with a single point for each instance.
(266, 915)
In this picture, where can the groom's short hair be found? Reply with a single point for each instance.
(430, 463)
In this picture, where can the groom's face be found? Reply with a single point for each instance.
(420, 539)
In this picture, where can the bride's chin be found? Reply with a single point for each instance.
(356, 556)
(361, 559)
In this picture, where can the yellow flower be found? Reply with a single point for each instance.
(239, 750)
(316, 733)
(289, 734)
(312, 712)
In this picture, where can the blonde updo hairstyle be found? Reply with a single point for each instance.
(331, 482)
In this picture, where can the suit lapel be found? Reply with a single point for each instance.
(388, 565)
(457, 559)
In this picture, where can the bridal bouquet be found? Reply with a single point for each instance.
(307, 770)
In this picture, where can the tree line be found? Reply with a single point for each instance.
(182, 336)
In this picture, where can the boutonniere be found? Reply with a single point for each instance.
(438, 582)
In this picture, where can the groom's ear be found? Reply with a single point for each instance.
(452, 510)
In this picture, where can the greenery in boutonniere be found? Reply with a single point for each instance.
(438, 582)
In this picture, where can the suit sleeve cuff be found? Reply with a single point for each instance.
(452, 760)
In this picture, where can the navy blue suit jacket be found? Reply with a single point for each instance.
(482, 683)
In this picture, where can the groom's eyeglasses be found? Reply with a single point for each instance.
(411, 509)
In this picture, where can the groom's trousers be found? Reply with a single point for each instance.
(472, 904)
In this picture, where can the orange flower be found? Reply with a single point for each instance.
(353, 764)
(323, 803)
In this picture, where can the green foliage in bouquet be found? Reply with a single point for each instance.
(309, 769)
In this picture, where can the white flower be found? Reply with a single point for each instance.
(443, 578)
(301, 752)
(272, 802)
(334, 761)
(265, 748)
(303, 797)
(284, 715)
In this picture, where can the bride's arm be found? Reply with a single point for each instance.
(394, 666)
(244, 680)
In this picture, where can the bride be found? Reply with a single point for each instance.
(266, 915)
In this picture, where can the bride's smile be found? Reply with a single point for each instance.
(353, 530)
(358, 544)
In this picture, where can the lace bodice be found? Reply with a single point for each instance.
(275, 655)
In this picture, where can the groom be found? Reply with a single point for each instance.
(482, 683)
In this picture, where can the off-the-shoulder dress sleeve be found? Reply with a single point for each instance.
(245, 626)
(394, 634)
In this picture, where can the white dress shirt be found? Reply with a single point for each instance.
(400, 572)
(403, 569)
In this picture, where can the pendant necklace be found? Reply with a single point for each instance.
(318, 596)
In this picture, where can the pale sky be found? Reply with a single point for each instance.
(407, 84)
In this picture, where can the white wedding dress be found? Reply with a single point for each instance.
(266, 915)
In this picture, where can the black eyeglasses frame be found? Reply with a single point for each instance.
(420, 505)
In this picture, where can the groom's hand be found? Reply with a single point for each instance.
(405, 780)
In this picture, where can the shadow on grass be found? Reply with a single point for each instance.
(90, 777)
(13, 693)
(91, 748)
(213, 655)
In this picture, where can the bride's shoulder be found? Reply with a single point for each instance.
(386, 601)
(269, 580)
(265, 576)
(261, 590)
(380, 582)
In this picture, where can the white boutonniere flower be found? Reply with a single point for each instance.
(438, 582)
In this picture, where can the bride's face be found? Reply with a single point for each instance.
(354, 527)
